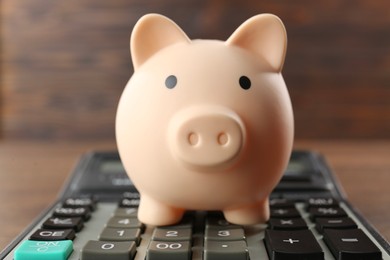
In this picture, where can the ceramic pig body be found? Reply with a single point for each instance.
(205, 124)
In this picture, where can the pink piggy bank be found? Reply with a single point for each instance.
(205, 124)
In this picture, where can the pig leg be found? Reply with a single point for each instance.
(154, 212)
(249, 214)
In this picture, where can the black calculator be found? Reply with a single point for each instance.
(95, 218)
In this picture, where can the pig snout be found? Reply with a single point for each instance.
(206, 137)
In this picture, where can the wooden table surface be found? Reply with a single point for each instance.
(31, 174)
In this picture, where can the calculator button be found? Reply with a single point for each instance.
(44, 250)
(281, 203)
(126, 212)
(296, 245)
(53, 235)
(172, 234)
(83, 212)
(217, 223)
(131, 195)
(121, 234)
(101, 250)
(322, 202)
(121, 222)
(351, 244)
(225, 250)
(166, 250)
(327, 212)
(335, 223)
(284, 213)
(129, 203)
(224, 234)
(63, 223)
(287, 224)
(80, 202)
(186, 222)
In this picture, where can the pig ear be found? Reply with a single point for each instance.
(152, 33)
(265, 36)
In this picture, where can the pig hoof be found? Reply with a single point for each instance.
(158, 214)
(248, 215)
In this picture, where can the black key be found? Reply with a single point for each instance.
(80, 202)
(327, 212)
(335, 223)
(322, 202)
(131, 195)
(296, 245)
(126, 212)
(351, 244)
(83, 212)
(287, 224)
(281, 203)
(129, 203)
(285, 213)
(64, 223)
(53, 235)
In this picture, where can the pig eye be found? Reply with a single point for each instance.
(245, 82)
(171, 81)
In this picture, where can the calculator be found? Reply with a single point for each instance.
(95, 218)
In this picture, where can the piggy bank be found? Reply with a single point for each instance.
(205, 124)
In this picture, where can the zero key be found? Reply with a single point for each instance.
(101, 250)
(351, 244)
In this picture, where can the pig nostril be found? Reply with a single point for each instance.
(193, 138)
(222, 139)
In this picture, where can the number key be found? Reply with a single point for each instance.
(225, 234)
(101, 250)
(118, 234)
(164, 234)
(120, 222)
(164, 250)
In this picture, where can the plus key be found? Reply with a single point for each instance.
(300, 244)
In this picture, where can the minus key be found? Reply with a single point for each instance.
(351, 244)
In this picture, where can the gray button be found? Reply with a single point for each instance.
(225, 250)
(101, 250)
(173, 234)
(122, 222)
(121, 234)
(225, 234)
(164, 250)
(126, 212)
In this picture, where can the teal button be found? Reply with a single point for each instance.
(44, 250)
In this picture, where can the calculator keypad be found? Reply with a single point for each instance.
(316, 229)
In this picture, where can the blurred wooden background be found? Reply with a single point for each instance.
(65, 63)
